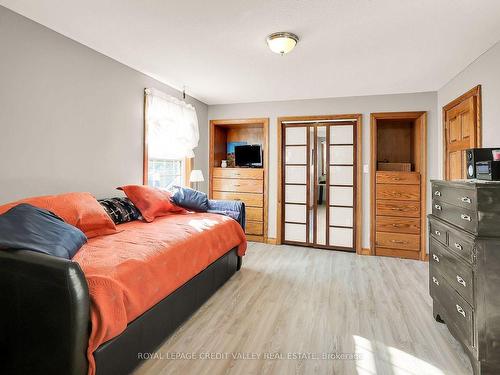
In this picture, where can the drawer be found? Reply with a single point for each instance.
(249, 173)
(386, 177)
(457, 314)
(398, 208)
(457, 196)
(398, 192)
(398, 241)
(250, 199)
(398, 253)
(458, 273)
(397, 224)
(439, 232)
(456, 215)
(461, 244)
(238, 185)
(254, 213)
(254, 227)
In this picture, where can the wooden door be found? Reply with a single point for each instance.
(461, 131)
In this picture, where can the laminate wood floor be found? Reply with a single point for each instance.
(288, 307)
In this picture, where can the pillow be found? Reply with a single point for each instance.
(150, 201)
(78, 209)
(191, 199)
(28, 227)
(120, 210)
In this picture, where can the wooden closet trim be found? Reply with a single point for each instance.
(247, 122)
(358, 117)
(417, 116)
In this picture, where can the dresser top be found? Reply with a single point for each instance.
(472, 183)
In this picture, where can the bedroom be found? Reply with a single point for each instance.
(334, 232)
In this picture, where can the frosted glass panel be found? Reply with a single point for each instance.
(296, 155)
(341, 134)
(295, 213)
(295, 193)
(341, 196)
(295, 135)
(341, 175)
(342, 216)
(296, 174)
(341, 155)
(341, 237)
(295, 232)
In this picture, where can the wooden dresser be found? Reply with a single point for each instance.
(464, 267)
(398, 214)
(247, 185)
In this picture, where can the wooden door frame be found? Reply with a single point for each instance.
(474, 92)
(359, 163)
(247, 122)
(422, 116)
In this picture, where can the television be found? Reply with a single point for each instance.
(248, 156)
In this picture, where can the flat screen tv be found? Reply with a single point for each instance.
(248, 156)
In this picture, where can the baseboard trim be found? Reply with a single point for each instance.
(365, 251)
(272, 241)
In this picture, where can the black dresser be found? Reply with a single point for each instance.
(464, 266)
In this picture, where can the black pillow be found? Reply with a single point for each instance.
(31, 228)
(121, 210)
(190, 199)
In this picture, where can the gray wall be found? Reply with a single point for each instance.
(71, 119)
(361, 104)
(485, 71)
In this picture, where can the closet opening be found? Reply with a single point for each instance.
(398, 184)
(319, 192)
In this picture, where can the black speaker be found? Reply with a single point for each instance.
(473, 155)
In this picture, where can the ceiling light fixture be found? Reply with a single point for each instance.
(282, 42)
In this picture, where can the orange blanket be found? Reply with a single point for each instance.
(130, 271)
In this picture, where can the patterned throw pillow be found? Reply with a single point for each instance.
(121, 210)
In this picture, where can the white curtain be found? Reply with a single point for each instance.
(172, 126)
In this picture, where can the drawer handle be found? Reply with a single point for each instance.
(438, 233)
(437, 193)
(466, 200)
(465, 217)
(438, 207)
(435, 281)
(237, 185)
(396, 209)
(458, 246)
(435, 257)
(398, 241)
(461, 281)
(460, 310)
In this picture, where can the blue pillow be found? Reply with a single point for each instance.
(190, 199)
(31, 228)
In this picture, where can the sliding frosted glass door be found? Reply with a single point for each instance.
(296, 172)
(318, 184)
(342, 184)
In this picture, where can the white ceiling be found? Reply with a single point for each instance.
(217, 47)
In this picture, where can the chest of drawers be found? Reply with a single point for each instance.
(464, 267)
(398, 214)
(247, 185)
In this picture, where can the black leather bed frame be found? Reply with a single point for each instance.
(44, 316)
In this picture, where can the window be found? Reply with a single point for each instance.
(170, 135)
(164, 173)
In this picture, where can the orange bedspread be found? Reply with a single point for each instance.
(130, 271)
